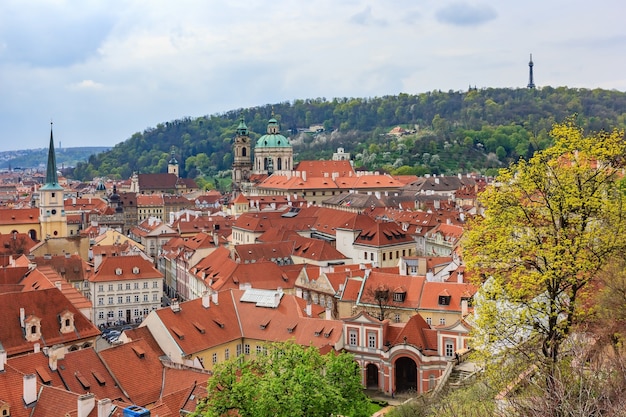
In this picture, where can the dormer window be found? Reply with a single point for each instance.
(33, 326)
(399, 296)
(67, 322)
(136, 270)
(444, 300)
(118, 271)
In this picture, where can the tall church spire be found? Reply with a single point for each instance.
(52, 178)
(531, 82)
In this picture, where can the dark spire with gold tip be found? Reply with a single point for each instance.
(52, 179)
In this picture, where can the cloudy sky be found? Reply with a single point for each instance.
(105, 69)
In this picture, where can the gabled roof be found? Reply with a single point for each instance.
(45, 304)
(120, 268)
(319, 169)
(195, 328)
(83, 371)
(432, 290)
(71, 267)
(43, 277)
(418, 333)
(19, 216)
(15, 244)
(138, 370)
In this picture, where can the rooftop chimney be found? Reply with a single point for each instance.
(3, 359)
(104, 407)
(22, 316)
(329, 315)
(464, 307)
(86, 403)
(214, 297)
(175, 306)
(308, 309)
(206, 299)
(30, 388)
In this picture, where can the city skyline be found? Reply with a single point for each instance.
(105, 70)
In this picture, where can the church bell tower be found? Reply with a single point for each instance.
(242, 160)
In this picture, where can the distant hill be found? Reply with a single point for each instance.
(446, 132)
(37, 158)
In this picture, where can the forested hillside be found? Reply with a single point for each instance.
(478, 130)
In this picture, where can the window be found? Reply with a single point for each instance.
(146, 311)
(120, 314)
(246, 349)
(110, 300)
(136, 312)
(449, 349)
(371, 340)
(238, 350)
(155, 284)
(145, 297)
(372, 256)
(128, 299)
(128, 285)
(100, 288)
(352, 338)
(145, 284)
(444, 300)
(429, 321)
(431, 382)
(258, 350)
(136, 286)
(120, 287)
(442, 321)
(226, 354)
(100, 301)
(399, 296)
(214, 359)
(120, 300)
(396, 318)
(110, 287)
(136, 298)
(155, 297)
(110, 314)
(384, 256)
(101, 315)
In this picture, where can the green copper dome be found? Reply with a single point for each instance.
(273, 139)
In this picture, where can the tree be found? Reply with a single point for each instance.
(550, 225)
(286, 380)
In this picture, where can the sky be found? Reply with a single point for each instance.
(102, 70)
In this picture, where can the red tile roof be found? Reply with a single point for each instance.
(131, 267)
(138, 370)
(46, 304)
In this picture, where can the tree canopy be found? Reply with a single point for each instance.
(288, 380)
(446, 132)
(550, 226)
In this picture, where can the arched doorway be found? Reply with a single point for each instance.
(371, 380)
(406, 375)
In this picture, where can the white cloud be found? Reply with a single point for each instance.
(135, 63)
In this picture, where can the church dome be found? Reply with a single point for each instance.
(273, 139)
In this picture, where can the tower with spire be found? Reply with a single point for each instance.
(531, 82)
(51, 207)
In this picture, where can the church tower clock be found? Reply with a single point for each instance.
(242, 160)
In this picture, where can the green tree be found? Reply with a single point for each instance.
(288, 380)
(551, 224)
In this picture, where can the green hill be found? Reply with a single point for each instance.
(477, 130)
